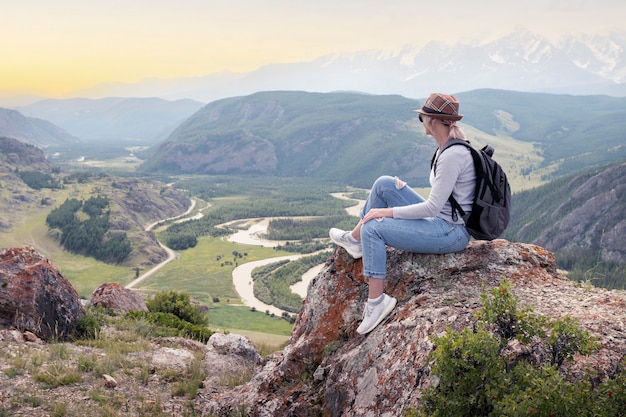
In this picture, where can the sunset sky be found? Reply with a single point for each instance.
(54, 48)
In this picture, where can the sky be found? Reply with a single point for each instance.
(55, 48)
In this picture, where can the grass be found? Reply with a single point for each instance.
(40, 377)
(514, 156)
(236, 319)
(205, 272)
(201, 271)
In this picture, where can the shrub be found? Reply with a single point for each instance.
(178, 304)
(88, 326)
(472, 376)
(169, 325)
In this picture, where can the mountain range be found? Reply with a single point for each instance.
(566, 141)
(352, 138)
(520, 61)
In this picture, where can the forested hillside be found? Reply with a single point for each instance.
(572, 133)
(82, 222)
(582, 218)
(352, 138)
(348, 138)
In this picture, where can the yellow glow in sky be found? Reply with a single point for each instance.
(54, 48)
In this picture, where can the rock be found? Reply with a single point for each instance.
(113, 296)
(229, 356)
(35, 296)
(12, 336)
(233, 344)
(109, 381)
(169, 358)
(32, 337)
(328, 369)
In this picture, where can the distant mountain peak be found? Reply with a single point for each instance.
(521, 60)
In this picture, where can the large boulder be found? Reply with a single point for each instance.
(112, 296)
(328, 369)
(35, 296)
(227, 356)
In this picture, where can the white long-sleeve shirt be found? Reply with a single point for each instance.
(455, 175)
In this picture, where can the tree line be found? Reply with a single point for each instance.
(272, 282)
(38, 180)
(89, 236)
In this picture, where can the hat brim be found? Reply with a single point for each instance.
(453, 117)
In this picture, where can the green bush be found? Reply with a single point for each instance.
(469, 369)
(474, 376)
(174, 315)
(169, 325)
(178, 304)
(88, 326)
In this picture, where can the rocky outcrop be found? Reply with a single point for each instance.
(35, 296)
(113, 296)
(328, 369)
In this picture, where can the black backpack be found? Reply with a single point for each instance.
(492, 198)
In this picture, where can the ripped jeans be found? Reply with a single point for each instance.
(430, 235)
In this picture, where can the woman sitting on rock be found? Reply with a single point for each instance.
(395, 215)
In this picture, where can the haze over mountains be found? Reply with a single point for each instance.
(521, 61)
(138, 119)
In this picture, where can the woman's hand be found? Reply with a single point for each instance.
(377, 213)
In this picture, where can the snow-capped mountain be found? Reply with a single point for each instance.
(520, 61)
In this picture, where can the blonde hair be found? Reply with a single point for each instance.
(455, 131)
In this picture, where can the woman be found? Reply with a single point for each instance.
(395, 215)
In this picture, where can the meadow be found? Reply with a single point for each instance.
(205, 270)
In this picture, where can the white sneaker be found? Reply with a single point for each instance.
(373, 315)
(343, 239)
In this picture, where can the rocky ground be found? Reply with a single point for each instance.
(122, 373)
(326, 369)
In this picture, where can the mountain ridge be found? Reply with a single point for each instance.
(520, 61)
(145, 120)
(290, 133)
(35, 131)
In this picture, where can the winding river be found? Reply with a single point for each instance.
(242, 274)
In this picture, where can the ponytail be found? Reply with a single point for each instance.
(455, 131)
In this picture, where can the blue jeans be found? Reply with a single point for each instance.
(429, 235)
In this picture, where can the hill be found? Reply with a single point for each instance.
(14, 124)
(328, 369)
(582, 218)
(352, 138)
(343, 137)
(30, 188)
(132, 368)
(570, 132)
(18, 157)
(146, 120)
